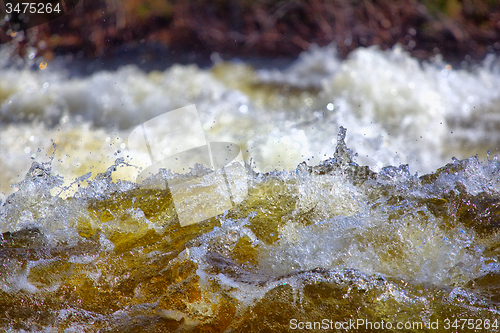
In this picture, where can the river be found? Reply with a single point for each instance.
(366, 190)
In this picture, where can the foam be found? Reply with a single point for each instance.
(329, 221)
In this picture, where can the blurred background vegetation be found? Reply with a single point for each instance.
(457, 29)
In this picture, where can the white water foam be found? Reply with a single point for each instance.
(397, 111)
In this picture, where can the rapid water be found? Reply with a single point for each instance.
(391, 220)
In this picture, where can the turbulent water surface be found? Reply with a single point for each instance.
(401, 227)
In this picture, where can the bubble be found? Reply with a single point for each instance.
(243, 108)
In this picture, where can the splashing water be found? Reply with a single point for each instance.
(318, 235)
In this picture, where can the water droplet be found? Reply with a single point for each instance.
(243, 108)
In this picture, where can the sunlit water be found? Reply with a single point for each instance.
(390, 229)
